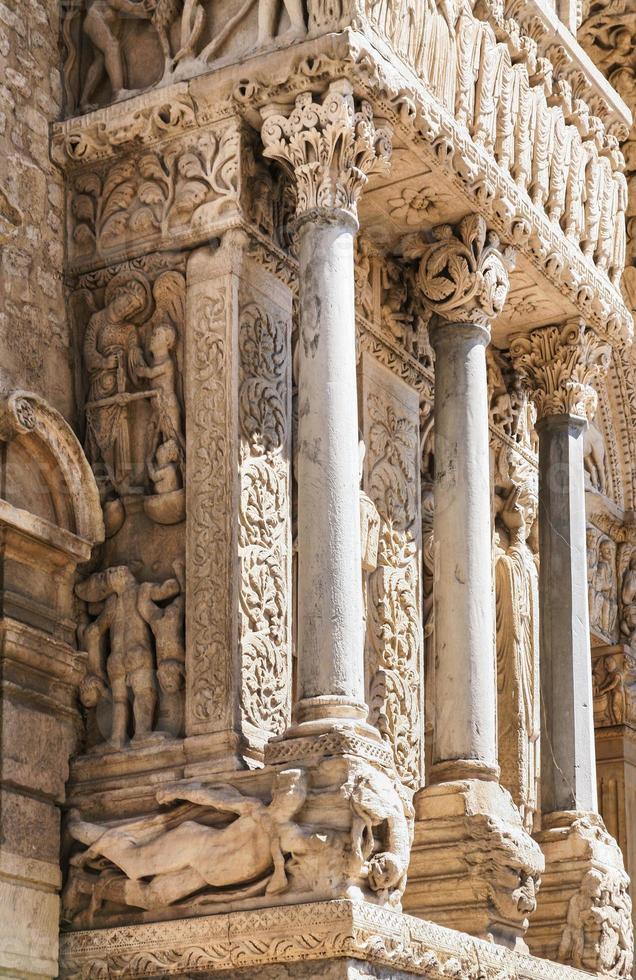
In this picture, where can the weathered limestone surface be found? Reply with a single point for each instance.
(310, 617)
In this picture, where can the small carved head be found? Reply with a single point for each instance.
(167, 452)
(163, 338)
(605, 550)
(119, 578)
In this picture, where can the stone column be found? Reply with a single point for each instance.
(584, 866)
(329, 147)
(464, 812)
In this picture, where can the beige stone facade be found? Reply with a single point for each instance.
(317, 434)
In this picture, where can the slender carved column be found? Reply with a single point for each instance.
(329, 147)
(463, 278)
(584, 866)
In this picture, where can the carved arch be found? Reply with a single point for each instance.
(43, 468)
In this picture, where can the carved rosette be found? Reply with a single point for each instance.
(562, 365)
(463, 274)
(329, 147)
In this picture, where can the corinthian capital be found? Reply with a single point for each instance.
(561, 366)
(330, 147)
(463, 274)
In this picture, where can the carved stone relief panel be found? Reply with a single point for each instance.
(115, 49)
(602, 568)
(239, 528)
(390, 425)
(179, 191)
(256, 840)
(129, 325)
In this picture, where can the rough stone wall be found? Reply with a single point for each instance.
(34, 337)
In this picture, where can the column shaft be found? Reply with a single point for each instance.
(330, 615)
(464, 678)
(568, 762)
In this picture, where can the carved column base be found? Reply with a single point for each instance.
(339, 940)
(473, 866)
(583, 916)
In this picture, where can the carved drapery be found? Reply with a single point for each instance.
(330, 147)
(561, 366)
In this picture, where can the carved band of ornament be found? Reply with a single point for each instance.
(329, 147)
(561, 365)
(207, 676)
(331, 744)
(463, 275)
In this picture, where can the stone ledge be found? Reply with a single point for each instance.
(291, 934)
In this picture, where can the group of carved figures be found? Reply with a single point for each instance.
(490, 78)
(184, 20)
(611, 588)
(496, 85)
(134, 416)
(135, 644)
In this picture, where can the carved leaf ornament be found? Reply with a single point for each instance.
(562, 365)
(329, 147)
(463, 274)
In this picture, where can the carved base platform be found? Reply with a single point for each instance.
(583, 915)
(333, 940)
(473, 867)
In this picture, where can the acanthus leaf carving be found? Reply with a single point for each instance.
(462, 275)
(263, 519)
(561, 366)
(329, 147)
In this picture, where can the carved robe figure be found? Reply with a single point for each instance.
(559, 135)
(619, 240)
(468, 48)
(598, 935)
(484, 125)
(628, 600)
(522, 108)
(605, 605)
(440, 51)
(517, 607)
(540, 128)
(603, 252)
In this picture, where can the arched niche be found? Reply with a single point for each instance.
(43, 469)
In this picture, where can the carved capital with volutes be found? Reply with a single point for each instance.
(463, 274)
(562, 366)
(328, 145)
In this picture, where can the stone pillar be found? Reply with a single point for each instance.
(330, 613)
(473, 866)
(584, 881)
(238, 393)
(49, 519)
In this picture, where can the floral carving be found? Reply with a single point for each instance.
(561, 366)
(155, 195)
(208, 612)
(330, 147)
(463, 274)
(394, 622)
(263, 520)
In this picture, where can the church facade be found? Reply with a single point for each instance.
(318, 484)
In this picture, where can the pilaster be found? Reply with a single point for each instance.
(238, 363)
